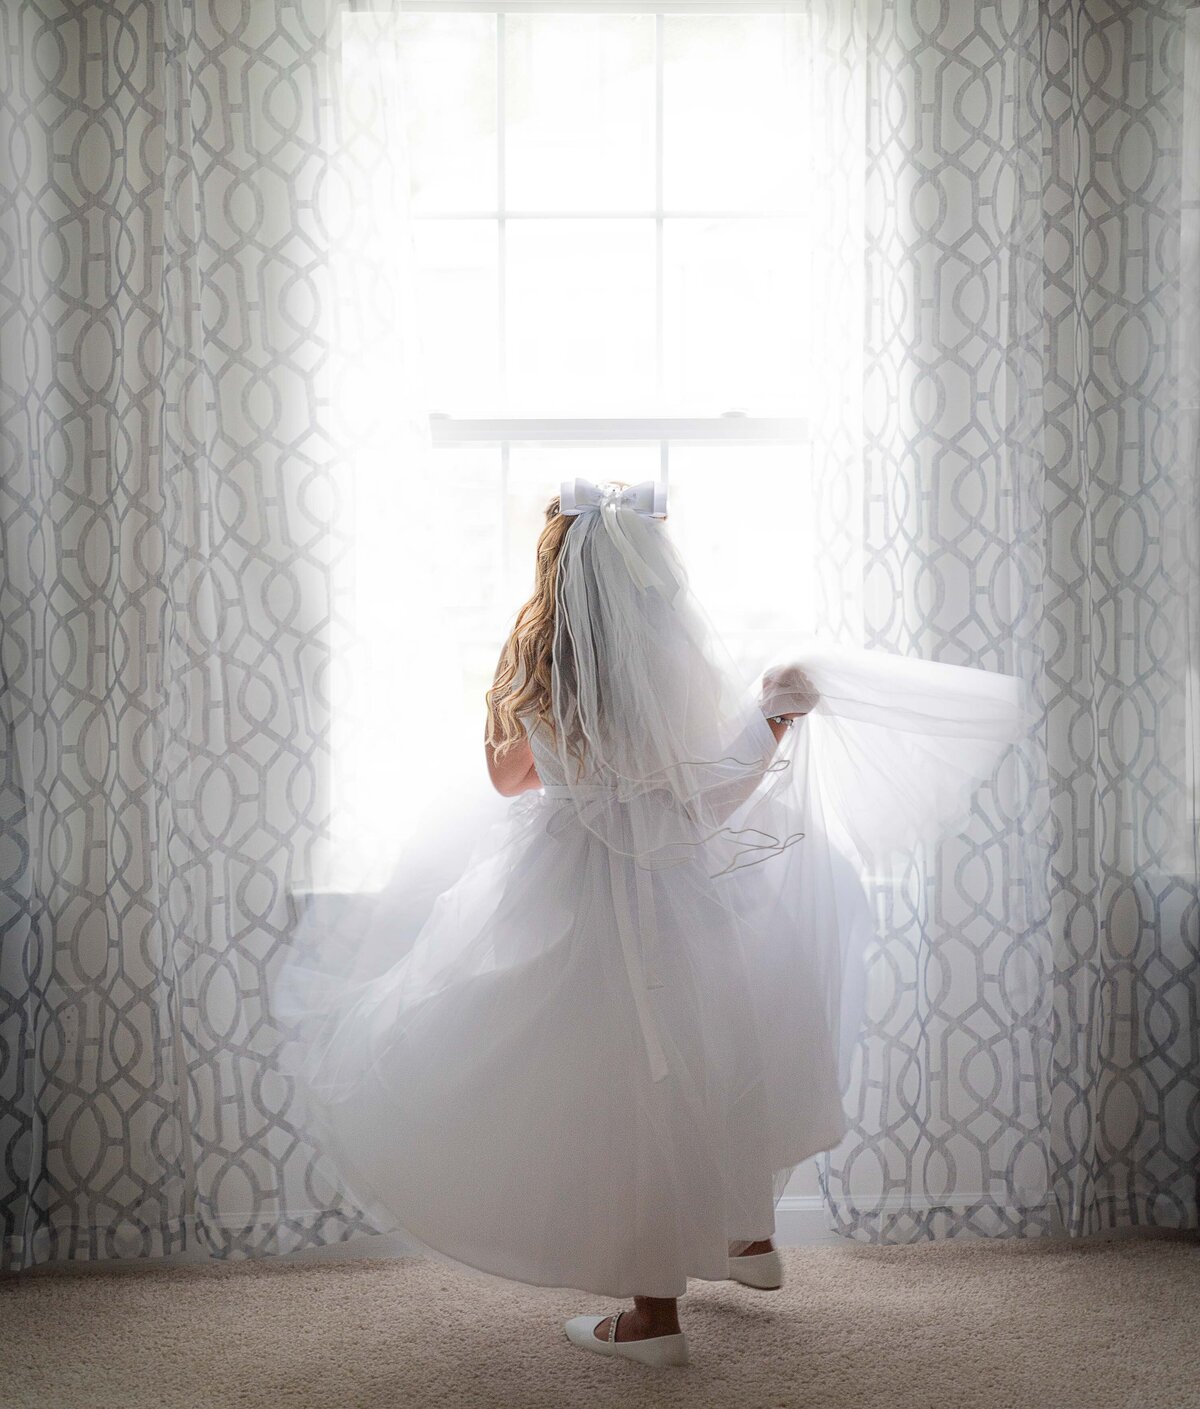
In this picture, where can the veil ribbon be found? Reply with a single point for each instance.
(648, 499)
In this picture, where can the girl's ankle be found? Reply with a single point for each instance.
(647, 1326)
(756, 1248)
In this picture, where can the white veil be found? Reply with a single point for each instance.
(657, 740)
(664, 752)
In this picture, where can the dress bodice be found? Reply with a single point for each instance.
(541, 745)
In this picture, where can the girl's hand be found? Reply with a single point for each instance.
(787, 693)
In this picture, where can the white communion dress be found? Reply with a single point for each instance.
(595, 1056)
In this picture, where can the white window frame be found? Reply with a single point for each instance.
(594, 7)
(729, 427)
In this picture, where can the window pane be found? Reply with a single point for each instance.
(733, 315)
(581, 321)
(459, 321)
(579, 120)
(742, 517)
(730, 119)
(450, 106)
(479, 600)
(472, 486)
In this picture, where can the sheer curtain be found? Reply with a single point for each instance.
(213, 450)
(1014, 485)
(212, 447)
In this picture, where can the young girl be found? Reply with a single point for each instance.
(598, 1055)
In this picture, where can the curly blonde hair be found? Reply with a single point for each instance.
(522, 683)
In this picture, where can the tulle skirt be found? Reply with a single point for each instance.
(485, 1061)
(491, 1089)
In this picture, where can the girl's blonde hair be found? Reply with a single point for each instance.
(522, 683)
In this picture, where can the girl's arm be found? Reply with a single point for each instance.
(515, 772)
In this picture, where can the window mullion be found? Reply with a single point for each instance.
(664, 447)
(502, 275)
(501, 209)
(658, 207)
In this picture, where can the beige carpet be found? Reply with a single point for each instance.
(1048, 1325)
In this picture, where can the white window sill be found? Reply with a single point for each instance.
(730, 428)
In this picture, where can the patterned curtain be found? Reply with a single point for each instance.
(191, 418)
(206, 365)
(1020, 235)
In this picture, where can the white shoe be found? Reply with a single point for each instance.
(763, 1270)
(652, 1350)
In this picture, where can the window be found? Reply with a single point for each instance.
(612, 226)
(609, 214)
(609, 204)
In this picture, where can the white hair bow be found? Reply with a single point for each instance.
(648, 498)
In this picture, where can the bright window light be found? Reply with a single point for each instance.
(609, 219)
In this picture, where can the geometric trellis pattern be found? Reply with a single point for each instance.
(1032, 465)
(1011, 462)
(165, 482)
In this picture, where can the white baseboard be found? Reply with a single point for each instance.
(802, 1220)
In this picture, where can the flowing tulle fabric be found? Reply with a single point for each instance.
(583, 1038)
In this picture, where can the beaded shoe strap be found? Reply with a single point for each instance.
(612, 1325)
